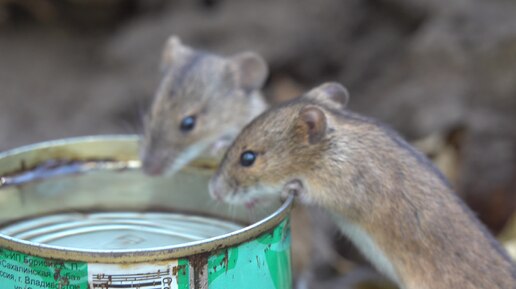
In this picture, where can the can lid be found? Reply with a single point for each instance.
(102, 175)
(118, 230)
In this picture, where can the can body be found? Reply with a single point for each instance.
(260, 263)
(101, 180)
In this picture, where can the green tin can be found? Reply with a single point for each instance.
(79, 214)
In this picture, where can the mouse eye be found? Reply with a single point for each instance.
(187, 124)
(247, 158)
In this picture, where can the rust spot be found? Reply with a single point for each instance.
(199, 265)
(226, 259)
(57, 274)
(64, 281)
(176, 269)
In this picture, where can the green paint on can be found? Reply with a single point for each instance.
(183, 274)
(263, 263)
(20, 271)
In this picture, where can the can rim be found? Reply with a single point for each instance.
(139, 255)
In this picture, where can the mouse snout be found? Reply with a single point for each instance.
(217, 187)
(153, 167)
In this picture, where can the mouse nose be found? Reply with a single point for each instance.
(152, 167)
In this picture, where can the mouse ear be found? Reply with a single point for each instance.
(250, 70)
(330, 93)
(312, 123)
(174, 49)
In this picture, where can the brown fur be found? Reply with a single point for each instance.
(223, 93)
(364, 172)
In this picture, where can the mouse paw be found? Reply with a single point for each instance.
(294, 187)
(219, 147)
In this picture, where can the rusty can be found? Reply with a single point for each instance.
(78, 214)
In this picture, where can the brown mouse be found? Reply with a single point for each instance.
(215, 97)
(385, 196)
(200, 106)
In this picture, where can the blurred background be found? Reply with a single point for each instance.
(443, 73)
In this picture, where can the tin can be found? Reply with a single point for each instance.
(78, 214)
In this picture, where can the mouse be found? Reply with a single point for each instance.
(382, 194)
(202, 102)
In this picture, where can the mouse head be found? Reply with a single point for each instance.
(201, 98)
(279, 149)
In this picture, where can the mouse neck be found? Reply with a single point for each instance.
(251, 110)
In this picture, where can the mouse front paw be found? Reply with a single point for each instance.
(219, 147)
(294, 187)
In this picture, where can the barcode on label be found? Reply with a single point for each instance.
(141, 277)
